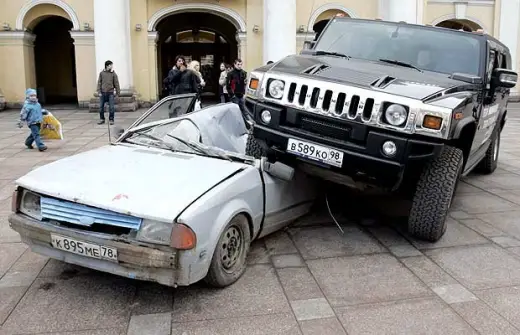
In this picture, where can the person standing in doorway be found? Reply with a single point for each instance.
(236, 86)
(195, 67)
(222, 83)
(168, 81)
(107, 88)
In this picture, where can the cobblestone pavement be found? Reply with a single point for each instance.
(309, 279)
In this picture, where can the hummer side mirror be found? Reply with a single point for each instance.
(277, 169)
(307, 45)
(505, 78)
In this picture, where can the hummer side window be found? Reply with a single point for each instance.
(493, 63)
(489, 69)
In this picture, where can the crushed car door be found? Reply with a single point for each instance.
(169, 107)
(285, 201)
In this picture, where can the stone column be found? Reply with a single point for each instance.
(86, 74)
(17, 49)
(410, 11)
(279, 29)
(152, 65)
(242, 47)
(112, 38)
(508, 32)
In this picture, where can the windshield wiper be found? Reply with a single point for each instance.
(396, 62)
(197, 147)
(330, 53)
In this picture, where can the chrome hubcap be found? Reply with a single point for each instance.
(231, 247)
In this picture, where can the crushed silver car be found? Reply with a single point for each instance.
(173, 200)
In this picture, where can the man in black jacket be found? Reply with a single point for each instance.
(236, 86)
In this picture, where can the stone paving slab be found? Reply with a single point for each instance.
(309, 279)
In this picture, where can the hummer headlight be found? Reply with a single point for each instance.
(276, 89)
(396, 115)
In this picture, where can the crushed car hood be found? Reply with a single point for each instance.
(138, 181)
(365, 74)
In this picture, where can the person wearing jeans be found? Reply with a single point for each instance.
(236, 87)
(108, 84)
(32, 114)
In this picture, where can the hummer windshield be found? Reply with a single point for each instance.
(429, 49)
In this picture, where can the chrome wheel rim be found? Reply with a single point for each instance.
(231, 248)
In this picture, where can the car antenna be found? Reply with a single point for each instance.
(308, 21)
(332, 215)
(109, 137)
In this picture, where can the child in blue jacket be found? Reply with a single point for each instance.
(32, 114)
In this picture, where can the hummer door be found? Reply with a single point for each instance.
(492, 102)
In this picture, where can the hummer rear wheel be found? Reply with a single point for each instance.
(434, 195)
(489, 163)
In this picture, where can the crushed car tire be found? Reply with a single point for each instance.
(228, 263)
(253, 147)
(434, 195)
(489, 163)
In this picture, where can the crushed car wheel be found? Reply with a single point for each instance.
(253, 147)
(434, 195)
(489, 163)
(229, 259)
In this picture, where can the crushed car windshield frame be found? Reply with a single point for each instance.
(425, 48)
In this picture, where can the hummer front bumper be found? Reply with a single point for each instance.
(361, 145)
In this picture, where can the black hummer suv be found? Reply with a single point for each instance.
(387, 104)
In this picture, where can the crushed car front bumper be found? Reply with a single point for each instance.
(360, 144)
(133, 261)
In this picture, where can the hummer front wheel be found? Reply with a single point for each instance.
(434, 195)
(253, 147)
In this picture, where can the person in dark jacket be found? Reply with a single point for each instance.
(107, 86)
(236, 85)
(168, 81)
(185, 81)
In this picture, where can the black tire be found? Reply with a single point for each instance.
(489, 163)
(434, 195)
(229, 258)
(254, 148)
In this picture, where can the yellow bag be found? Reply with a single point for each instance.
(51, 128)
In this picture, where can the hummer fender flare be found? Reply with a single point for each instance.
(461, 125)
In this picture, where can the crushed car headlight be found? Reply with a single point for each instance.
(276, 89)
(30, 205)
(396, 115)
(157, 232)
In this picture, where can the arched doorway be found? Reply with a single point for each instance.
(200, 36)
(459, 24)
(324, 18)
(54, 60)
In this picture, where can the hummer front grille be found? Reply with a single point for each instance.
(327, 101)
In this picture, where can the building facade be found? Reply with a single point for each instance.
(59, 46)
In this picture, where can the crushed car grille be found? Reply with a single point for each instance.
(326, 101)
(82, 215)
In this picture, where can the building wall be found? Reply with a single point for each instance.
(17, 56)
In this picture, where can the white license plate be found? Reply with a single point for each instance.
(83, 248)
(315, 152)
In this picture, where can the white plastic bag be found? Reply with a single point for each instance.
(197, 105)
